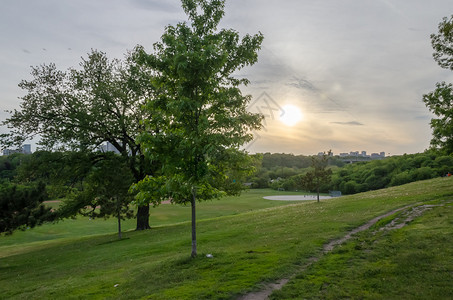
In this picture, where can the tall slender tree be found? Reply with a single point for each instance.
(203, 119)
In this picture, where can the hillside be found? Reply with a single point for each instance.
(248, 249)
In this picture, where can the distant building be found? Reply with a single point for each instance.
(108, 147)
(25, 149)
(9, 151)
(380, 155)
(356, 156)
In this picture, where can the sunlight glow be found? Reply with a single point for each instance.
(291, 115)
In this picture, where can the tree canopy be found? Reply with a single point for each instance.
(80, 109)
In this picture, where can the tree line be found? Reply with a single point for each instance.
(356, 177)
(279, 170)
(391, 171)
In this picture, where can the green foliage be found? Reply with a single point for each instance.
(203, 117)
(21, 207)
(80, 109)
(149, 190)
(284, 166)
(62, 172)
(442, 43)
(105, 189)
(357, 177)
(392, 171)
(9, 165)
(440, 101)
(319, 175)
(272, 160)
(83, 180)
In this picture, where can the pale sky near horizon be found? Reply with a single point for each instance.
(355, 69)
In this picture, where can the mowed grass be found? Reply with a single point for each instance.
(249, 247)
(161, 215)
(414, 262)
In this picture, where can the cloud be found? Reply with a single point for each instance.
(302, 84)
(350, 123)
(156, 5)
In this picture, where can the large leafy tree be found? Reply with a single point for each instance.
(203, 118)
(80, 109)
(440, 101)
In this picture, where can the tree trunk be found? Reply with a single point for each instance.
(194, 232)
(143, 218)
(119, 226)
(317, 190)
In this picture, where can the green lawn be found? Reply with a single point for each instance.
(252, 240)
(162, 215)
(415, 262)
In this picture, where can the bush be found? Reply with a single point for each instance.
(401, 178)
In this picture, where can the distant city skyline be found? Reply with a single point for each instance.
(108, 147)
(25, 149)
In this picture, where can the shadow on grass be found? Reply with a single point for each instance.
(114, 241)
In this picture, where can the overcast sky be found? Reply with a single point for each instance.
(357, 69)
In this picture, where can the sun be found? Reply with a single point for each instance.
(291, 115)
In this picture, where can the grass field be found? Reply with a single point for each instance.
(162, 215)
(414, 262)
(252, 240)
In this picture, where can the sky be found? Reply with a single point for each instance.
(351, 73)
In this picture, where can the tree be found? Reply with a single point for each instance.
(79, 110)
(106, 190)
(203, 118)
(440, 101)
(83, 180)
(320, 175)
(21, 207)
(8, 166)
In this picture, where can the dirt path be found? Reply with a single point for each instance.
(398, 222)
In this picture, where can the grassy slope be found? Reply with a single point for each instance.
(248, 248)
(164, 214)
(415, 262)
